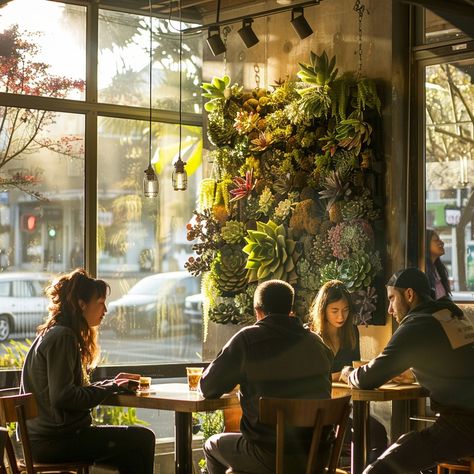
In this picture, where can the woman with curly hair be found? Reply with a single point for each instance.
(331, 317)
(56, 371)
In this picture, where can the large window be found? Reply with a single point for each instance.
(446, 142)
(72, 159)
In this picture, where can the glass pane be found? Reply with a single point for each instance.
(41, 210)
(449, 146)
(438, 29)
(124, 62)
(153, 315)
(44, 51)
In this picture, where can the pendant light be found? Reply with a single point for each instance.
(150, 181)
(180, 177)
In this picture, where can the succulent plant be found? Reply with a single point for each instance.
(364, 301)
(266, 201)
(362, 207)
(217, 90)
(308, 277)
(330, 271)
(283, 210)
(262, 142)
(221, 129)
(349, 237)
(244, 186)
(359, 269)
(225, 313)
(229, 269)
(321, 252)
(335, 188)
(320, 71)
(233, 232)
(352, 133)
(271, 253)
(245, 122)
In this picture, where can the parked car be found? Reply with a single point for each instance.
(23, 303)
(154, 304)
(193, 314)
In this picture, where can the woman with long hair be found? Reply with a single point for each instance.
(57, 369)
(436, 271)
(331, 317)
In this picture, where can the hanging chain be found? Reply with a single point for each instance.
(360, 9)
(256, 68)
(225, 33)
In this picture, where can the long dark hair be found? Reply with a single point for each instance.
(330, 292)
(64, 310)
(437, 265)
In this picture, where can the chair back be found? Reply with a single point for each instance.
(19, 408)
(301, 413)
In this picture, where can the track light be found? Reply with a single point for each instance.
(214, 41)
(300, 24)
(247, 34)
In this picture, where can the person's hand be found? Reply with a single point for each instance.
(345, 372)
(128, 380)
(404, 378)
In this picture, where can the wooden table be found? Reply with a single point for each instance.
(361, 409)
(178, 398)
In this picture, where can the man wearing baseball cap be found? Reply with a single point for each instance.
(436, 341)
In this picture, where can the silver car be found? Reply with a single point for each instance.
(23, 304)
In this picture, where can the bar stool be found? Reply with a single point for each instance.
(452, 468)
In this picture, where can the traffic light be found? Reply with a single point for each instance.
(52, 232)
(28, 222)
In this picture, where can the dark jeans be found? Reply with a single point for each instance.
(449, 438)
(131, 449)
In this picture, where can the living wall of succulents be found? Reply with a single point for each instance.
(294, 192)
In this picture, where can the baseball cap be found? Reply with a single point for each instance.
(411, 278)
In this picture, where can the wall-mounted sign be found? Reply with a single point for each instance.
(452, 215)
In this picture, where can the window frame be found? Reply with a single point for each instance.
(91, 109)
(422, 56)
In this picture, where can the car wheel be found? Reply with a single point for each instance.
(4, 327)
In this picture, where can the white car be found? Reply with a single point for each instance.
(154, 304)
(23, 303)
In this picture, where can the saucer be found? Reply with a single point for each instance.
(145, 393)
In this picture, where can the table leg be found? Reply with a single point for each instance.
(360, 422)
(183, 457)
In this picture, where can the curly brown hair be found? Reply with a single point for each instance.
(330, 292)
(64, 310)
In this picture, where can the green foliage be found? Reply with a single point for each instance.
(14, 353)
(290, 163)
(104, 415)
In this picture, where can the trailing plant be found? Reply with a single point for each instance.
(292, 191)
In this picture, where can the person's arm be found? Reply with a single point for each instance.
(62, 360)
(394, 359)
(225, 372)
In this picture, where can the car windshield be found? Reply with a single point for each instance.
(152, 286)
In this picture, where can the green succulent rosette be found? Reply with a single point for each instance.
(271, 253)
(358, 270)
(229, 270)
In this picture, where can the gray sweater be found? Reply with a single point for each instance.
(52, 371)
(422, 342)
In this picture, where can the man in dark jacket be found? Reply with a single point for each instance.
(276, 357)
(436, 341)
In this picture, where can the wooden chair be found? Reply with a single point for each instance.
(453, 468)
(314, 414)
(18, 409)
